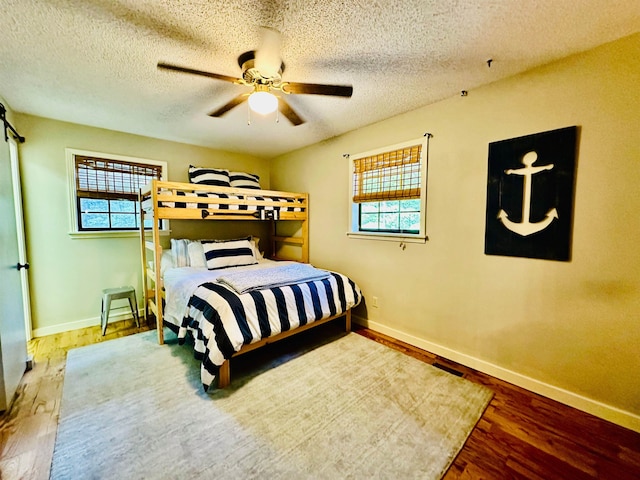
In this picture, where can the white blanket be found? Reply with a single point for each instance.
(180, 283)
(276, 276)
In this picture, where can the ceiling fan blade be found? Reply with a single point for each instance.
(267, 59)
(288, 112)
(228, 106)
(317, 89)
(167, 66)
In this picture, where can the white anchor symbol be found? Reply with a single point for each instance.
(526, 227)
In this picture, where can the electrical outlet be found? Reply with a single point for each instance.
(374, 302)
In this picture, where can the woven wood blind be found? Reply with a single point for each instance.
(112, 179)
(394, 175)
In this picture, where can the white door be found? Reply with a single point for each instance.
(13, 342)
(23, 263)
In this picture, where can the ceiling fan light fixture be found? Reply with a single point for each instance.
(263, 102)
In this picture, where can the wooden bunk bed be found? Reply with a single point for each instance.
(162, 200)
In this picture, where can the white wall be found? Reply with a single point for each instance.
(67, 274)
(569, 330)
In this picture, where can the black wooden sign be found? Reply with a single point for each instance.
(530, 195)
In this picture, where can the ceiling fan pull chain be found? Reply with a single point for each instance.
(248, 116)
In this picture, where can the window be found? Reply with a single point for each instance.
(105, 190)
(394, 216)
(388, 192)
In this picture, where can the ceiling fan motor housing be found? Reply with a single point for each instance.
(250, 73)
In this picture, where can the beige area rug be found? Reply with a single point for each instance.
(347, 407)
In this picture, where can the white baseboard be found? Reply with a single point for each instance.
(114, 316)
(600, 410)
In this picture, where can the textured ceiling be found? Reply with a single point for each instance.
(94, 62)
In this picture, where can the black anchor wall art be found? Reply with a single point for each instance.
(530, 195)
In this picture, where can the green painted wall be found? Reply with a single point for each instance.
(68, 274)
(570, 330)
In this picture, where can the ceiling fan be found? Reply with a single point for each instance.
(262, 71)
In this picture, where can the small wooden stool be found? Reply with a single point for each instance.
(109, 294)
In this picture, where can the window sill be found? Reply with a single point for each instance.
(389, 237)
(113, 234)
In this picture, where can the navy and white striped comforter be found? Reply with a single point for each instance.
(193, 203)
(221, 321)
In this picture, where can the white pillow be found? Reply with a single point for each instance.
(180, 252)
(228, 253)
(196, 254)
(256, 250)
(166, 261)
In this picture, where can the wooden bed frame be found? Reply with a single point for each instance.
(153, 201)
(224, 374)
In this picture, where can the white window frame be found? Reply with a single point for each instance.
(74, 232)
(421, 236)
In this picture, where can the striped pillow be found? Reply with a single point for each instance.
(228, 253)
(209, 176)
(244, 180)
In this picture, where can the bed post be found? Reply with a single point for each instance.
(274, 233)
(143, 256)
(157, 251)
(224, 374)
(305, 233)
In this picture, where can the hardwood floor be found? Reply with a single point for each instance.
(28, 428)
(520, 436)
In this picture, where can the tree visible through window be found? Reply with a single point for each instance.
(106, 192)
(398, 216)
